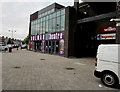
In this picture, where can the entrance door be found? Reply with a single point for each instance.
(57, 47)
(47, 47)
(52, 47)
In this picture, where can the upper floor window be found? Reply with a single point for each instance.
(52, 10)
(63, 12)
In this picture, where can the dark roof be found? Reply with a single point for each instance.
(54, 5)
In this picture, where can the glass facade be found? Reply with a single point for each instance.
(47, 32)
(52, 22)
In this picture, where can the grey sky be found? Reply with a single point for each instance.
(15, 15)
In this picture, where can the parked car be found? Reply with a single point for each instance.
(24, 46)
(108, 64)
(9, 45)
(3, 47)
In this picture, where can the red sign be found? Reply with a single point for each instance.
(107, 29)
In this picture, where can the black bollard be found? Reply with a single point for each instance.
(10, 49)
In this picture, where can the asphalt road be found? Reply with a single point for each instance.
(27, 70)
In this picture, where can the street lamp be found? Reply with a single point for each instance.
(12, 32)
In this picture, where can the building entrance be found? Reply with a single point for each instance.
(52, 47)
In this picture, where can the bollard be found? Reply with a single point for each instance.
(10, 49)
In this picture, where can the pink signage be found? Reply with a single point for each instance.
(49, 36)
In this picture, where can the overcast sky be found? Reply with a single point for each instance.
(16, 15)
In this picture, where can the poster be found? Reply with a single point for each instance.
(61, 47)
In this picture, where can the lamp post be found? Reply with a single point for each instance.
(12, 32)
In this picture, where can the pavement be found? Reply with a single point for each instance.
(28, 70)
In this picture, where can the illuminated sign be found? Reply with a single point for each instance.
(106, 36)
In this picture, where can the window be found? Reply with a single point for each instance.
(58, 13)
(62, 22)
(50, 26)
(39, 21)
(46, 26)
(32, 23)
(35, 29)
(58, 24)
(54, 15)
(46, 17)
(49, 12)
(39, 15)
(52, 10)
(43, 27)
(45, 13)
(51, 16)
(43, 18)
(54, 25)
(63, 12)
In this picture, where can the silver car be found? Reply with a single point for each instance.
(3, 47)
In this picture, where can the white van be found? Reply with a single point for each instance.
(108, 64)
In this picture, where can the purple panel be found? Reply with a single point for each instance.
(43, 44)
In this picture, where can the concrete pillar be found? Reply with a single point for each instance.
(70, 27)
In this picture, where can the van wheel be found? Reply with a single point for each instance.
(109, 79)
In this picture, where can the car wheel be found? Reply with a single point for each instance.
(109, 79)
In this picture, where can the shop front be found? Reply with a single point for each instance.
(52, 43)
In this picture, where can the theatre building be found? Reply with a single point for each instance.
(74, 30)
(47, 29)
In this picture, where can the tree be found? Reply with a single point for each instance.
(26, 40)
(10, 41)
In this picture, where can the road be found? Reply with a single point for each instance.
(28, 70)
